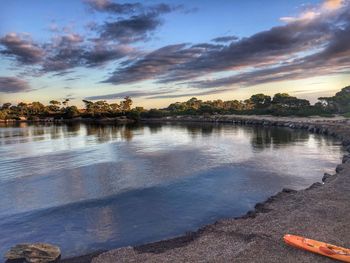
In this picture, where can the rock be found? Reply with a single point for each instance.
(346, 142)
(314, 185)
(346, 158)
(326, 176)
(34, 253)
(339, 168)
(288, 190)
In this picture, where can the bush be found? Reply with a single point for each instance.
(346, 115)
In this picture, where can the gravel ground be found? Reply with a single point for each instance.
(320, 212)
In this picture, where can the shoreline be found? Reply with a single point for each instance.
(240, 238)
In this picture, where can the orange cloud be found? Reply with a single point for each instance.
(332, 4)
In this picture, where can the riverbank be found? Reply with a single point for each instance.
(321, 212)
(115, 120)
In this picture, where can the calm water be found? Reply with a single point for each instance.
(91, 187)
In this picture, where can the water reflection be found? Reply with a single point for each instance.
(87, 187)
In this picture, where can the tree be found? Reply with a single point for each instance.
(54, 106)
(3, 115)
(340, 102)
(71, 112)
(125, 105)
(65, 102)
(22, 108)
(6, 106)
(287, 101)
(114, 107)
(89, 107)
(261, 101)
(36, 108)
(101, 107)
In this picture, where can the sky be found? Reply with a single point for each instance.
(159, 52)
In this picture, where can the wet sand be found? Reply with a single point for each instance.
(320, 212)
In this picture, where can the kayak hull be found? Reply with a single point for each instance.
(328, 250)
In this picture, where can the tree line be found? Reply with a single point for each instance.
(281, 104)
(61, 109)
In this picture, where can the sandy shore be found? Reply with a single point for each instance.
(320, 212)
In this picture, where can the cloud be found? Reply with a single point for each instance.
(335, 58)
(131, 8)
(129, 23)
(108, 6)
(62, 54)
(299, 49)
(332, 4)
(70, 51)
(22, 48)
(189, 94)
(137, 27)
(225, 39)
(13, 85)
(132, 94)
(311, 44)
(181, 62)
(154, 64)
(315, 11)
(133, 29)
(102, 53)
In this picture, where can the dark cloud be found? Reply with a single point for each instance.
(225, 39)
(139, 26)
(111, 7)
(131, 8)
(70, 51)
(262, 49)
(133, 29)
(333, 59)
(13, 85)
(135, 22)
(102, 53)
(22, 48)
(64, 53)
(278, 52)
(63, 73)
(189, 94)
(208, 46)
(132, 94)
(154, 64)
(71, 79)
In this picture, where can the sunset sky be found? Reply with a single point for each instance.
(160, 52)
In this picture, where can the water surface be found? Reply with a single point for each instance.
(91, 187)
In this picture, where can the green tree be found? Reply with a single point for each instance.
(287, 101)
(6, 106)
(114, 107)
(65, 102)
(340, 102)
(261, 101)
(36, 108)
(71, 112)
(125, 105)
(3, 115)
(54, 106)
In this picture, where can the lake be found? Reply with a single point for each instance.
(88, 187)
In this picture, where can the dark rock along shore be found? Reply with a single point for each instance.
(320, 212)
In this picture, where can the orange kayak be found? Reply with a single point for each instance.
(328, 250)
